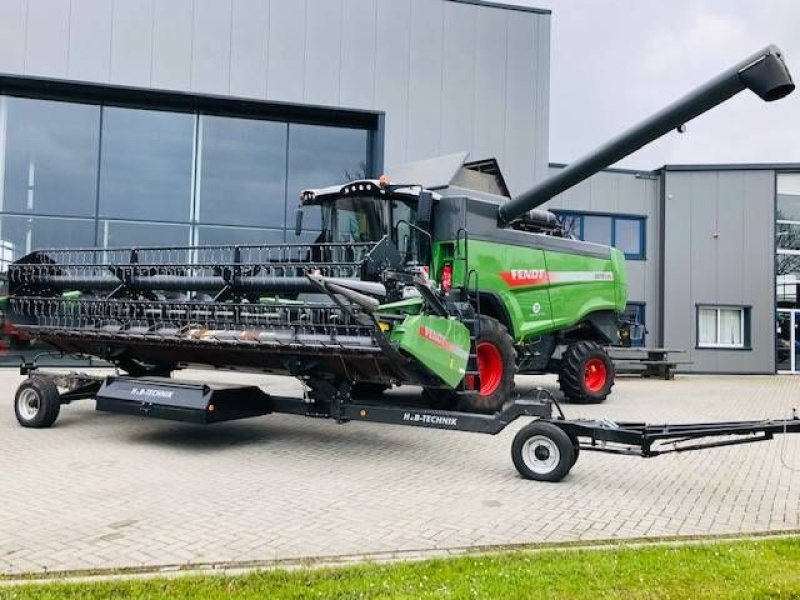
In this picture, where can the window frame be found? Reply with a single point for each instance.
(745, 326)
(613, 218)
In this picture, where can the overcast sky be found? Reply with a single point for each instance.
(615, 62)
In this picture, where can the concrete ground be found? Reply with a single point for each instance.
(100, 491)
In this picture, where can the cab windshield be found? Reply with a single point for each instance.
(355, 219)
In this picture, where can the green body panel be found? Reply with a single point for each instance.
(440, 344)
(542, 290)
(409, 306)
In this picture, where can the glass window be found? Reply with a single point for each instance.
(22, 235)
(707, 327)
(788, 207)
(242, 172)
(50, 157)
(220, 236)
(146, 164)
(115, 234)
(628, 236)
(597, 229)
(320, 156)
(722, 327)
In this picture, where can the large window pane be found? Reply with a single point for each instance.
(730, 327)
(218, 236)
(21, 235)
(114, 234)
(628, 236)
(321, 156)
(597, 229)
(242, 172)
(707, 327)
(50, 157)
(146, 164)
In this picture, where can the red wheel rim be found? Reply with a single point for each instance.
(595, 374)
(490, 368)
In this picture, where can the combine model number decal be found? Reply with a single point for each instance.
(441, 341)
(535, 277)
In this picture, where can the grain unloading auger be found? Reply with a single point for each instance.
(450, 290)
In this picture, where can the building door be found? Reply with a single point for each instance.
(787, 340)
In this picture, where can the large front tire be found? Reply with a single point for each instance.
(586, 375)
(37, 402)
(497, 365)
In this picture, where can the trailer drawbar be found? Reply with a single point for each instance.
(545, 449)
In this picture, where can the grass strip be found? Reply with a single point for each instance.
(743, 569)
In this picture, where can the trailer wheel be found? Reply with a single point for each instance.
(364, 390)
(37, 402)
(543, 452)
(586, 375)
(497, 364)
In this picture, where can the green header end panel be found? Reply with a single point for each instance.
(440, 344)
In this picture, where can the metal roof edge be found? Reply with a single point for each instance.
(787, 166)
(506, 6)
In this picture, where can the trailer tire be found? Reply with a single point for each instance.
(37, 402)
(364, 390)
(586, 374)
(497, 365)
(543, 452)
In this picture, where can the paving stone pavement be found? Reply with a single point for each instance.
(100, 491)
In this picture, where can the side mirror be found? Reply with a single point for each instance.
(424, 209)
(298, 222)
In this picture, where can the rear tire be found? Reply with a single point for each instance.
(543, 452)
(586, 375)
(37, 402)
(497, 365)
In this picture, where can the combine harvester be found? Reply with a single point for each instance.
(451, 290)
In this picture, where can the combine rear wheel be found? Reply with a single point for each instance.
(37, 402)
(587, 373)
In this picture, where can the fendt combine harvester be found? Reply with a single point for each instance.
(449, 291)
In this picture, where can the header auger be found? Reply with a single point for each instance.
(454, 290)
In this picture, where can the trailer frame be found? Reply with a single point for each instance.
(545, 449)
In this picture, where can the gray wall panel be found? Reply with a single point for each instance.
(458, 77)
(323, 51)
(490, 82)
(392, 56)
(47, 44)
(425, 79)
(521, 102)
(132, 42)
(12, 35)
(172, 44)
(90, 27)
(287, 49)
(719, 251)
(211, 46)
(249, 40)
(357, 74)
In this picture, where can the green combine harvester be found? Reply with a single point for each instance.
(451, 289)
